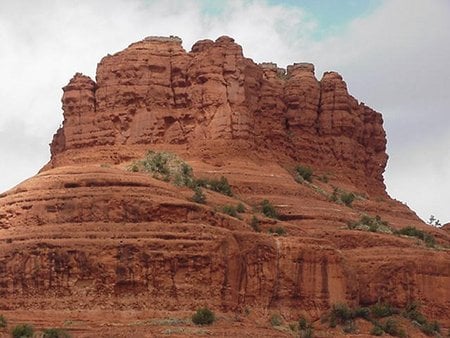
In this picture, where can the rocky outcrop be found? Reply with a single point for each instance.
(87, 233)
(214, 98)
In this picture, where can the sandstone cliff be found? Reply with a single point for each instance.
(88, 234)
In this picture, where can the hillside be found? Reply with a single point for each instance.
(108, 234)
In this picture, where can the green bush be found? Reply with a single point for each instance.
(324, 178)
(412, 312)
(268, 209)
(219, 185)
(341, 313)
(303, 323)
(165, 166)
(230, 210)
(430, 329)
(307, 333)
(55, 333)
(3, 322)
(372, 224)
(391, 327)
(203, 316)
(414, 232)
(199, 196)
(22, 331)
(361, 312)
(342, 197)
(303, 173)
(240, 208)
(381, 310)
(348, 198)
(280, 231)
(276, 320)
(254, 223)
(350, 327)
(377, 330)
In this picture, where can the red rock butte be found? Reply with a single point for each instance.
(87, 234)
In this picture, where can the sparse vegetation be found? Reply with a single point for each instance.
(22, 331)
(305, 328)
(55, 333)
(280, 231)
(203, 316)
(219, 185)
(361, 312)
(372, 224)
(165, 166)
(268, 209)
(240, 208)
(340, 314)
(350, 327)
(342, 197)
(199, 196)
(347, 198)
(303, 173)
(3, 322)
(381, 310)
(422, 235)
(230, 210)
(324, 178)
(412, 312)
(377, 330)
(254, 223)
(276, 320)
(392, 327)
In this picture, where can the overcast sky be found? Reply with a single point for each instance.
(393, 54)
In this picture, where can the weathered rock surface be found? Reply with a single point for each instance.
(88, 234)
(214, 100)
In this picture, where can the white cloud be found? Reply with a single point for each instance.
(396, 60)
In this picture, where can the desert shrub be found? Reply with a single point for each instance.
(203, 316)
(377, 330)
(276, 320)
(413, 313)
(268, 209)
(381, 310)
(22, 330)
(219, 185)
(307, 333)
(303, 323)
(199, 196)
(280, 231)
(391, 327)
(414, 232)
(342, 197)
(348, 198)
(134, 168)
(254, 223)
(230, 210)
(324, 179)
(240, 208)
(3, 322)
(340, 313)
(430, 329)
(165, 166)
(361, 312)
(55, 333)
(350, 327)
(303, 173)
(372, 224)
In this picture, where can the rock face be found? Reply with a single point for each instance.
(86, 233)
(214, 98)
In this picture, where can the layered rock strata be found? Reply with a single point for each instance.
(88, 233)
